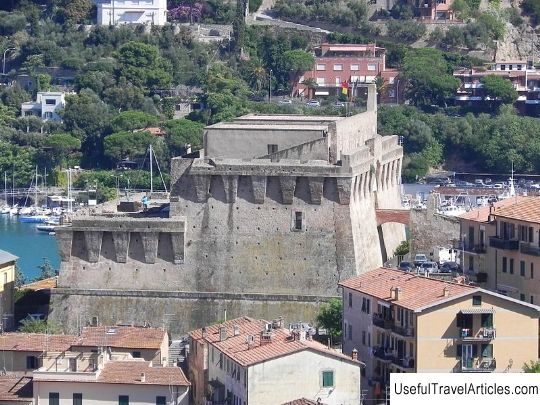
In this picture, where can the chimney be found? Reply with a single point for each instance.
(354, 354)
(222, 333)
(446, 292)
(371, 97)
(395, 293)
(236, 330)
(204, 332)
(143, 377)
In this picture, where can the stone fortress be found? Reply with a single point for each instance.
(264, 221)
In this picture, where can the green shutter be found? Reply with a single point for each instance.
(328, 379)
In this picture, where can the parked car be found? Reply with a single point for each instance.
(313, 103)
(450, 267)
(430, 267)
(285, 101)
(339, 104)
(419, 259)
(406, 266)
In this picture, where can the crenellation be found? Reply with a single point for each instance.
(150, 246)
(121, 245)
(287, 188)
(230, 184)
(344, 190)
(258, 186)
(202, 186)
(316, 185)
(92, 241)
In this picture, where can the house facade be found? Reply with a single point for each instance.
(248, 361)
(522, 74)
(47, 106)
(350, 64)
(434, 10)
(7, 288)
(118, 12)
(404, 323)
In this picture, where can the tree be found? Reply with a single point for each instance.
(297, 60)
(132, 120)
(183, 132)
(20, 279)
(402, 249)
(75, 11)
(499, 88)
(33, 325)
(532, 367)
(532, 7)
(330, 317)
(141, 65)
(122, 145)
(311, 85)
(46, 270)
(60, 147)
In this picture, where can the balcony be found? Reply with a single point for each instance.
(529, 249)
(384, 354)
(482, 334)
(474, 248)
(405, 363)
(405, 331)
(506, 244)
(382, 322)
(482, 365)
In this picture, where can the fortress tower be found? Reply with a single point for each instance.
(265, 221)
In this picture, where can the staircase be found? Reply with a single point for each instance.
(177, 352)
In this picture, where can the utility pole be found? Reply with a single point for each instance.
(270, 87)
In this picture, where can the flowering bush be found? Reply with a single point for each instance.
(186, 12)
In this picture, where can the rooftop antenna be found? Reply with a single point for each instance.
(512, 188)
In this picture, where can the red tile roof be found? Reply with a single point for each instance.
(481, 214)
(417, 292)
(303, 401)
(526, 209)
(35, 342)
(15, 388)
(281, 344)
(122, 372)
(45, 284)
(129, 337)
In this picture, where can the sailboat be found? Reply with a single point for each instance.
(511, 190)
(6, 208)
(33, 214)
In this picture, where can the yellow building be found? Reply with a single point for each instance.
(401, 322)
(7, 288)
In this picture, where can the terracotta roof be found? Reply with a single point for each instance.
(15, 388)
(122, 372)
(36, 342)
(525, 209)
(482, 214)
(129, 337)
(303, 401)
(46, 284)
(417, 292)
(281, 344)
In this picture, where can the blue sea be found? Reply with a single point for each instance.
(30, 245)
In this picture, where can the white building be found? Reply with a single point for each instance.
(111, 383)
(115, 12)
(47, 106)
(247, 361)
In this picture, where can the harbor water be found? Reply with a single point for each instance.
(29, 244)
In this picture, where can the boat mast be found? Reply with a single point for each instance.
(151, 171)
(36, 188)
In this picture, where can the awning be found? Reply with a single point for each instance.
(478, 311)
(322, 92)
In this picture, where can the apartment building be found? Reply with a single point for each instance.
(111, 382)
(117, 12)
(522, 74)
(248, 361)
(47, 106)
(404, 323)
(7, 288)
(348, 65)
(150, 344)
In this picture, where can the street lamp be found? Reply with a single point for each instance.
(4, 60)
(270, 86)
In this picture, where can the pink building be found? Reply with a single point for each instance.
(433, 9)
(353, 64)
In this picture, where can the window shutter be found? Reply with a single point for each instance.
(475, 350)
(458, 350)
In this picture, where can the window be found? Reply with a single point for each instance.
(522, 268)
(355, 67)
(54, 398)
(471, 263)
(503, 67)
(487, 320)
(320, 81)
(477, 300)
(531, 234)
(123, 400)
(532, 299)
(50, 101)
(77, 399)
(338, 66)
(321, 66)
(504, 264)
(519, 67)
(327, 379)
(369, 339)
(487, 350)
(136, 355)
(350, 300)
(221, 361)
(364, 337)
(349, 329)
(522, 297)
(510, 67)
(511, 266)
(371, 67)
(31, 362)
(298, 221)
(272, 148)
(161, 400)
(338, 81)
(366, 305)
(532, 270)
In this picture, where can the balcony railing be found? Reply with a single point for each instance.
(406, 331)
(384, 354)
(481, 248)
(529, 249)
(507, 244)
(382, 322)
(483, 365)
(482, 334)
(405, 362)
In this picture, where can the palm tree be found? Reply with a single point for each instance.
(311, 85)
(532, 367)
(381, 85)
(257, 75)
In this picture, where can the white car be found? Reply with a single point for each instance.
(313, 103)
(285, 101)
